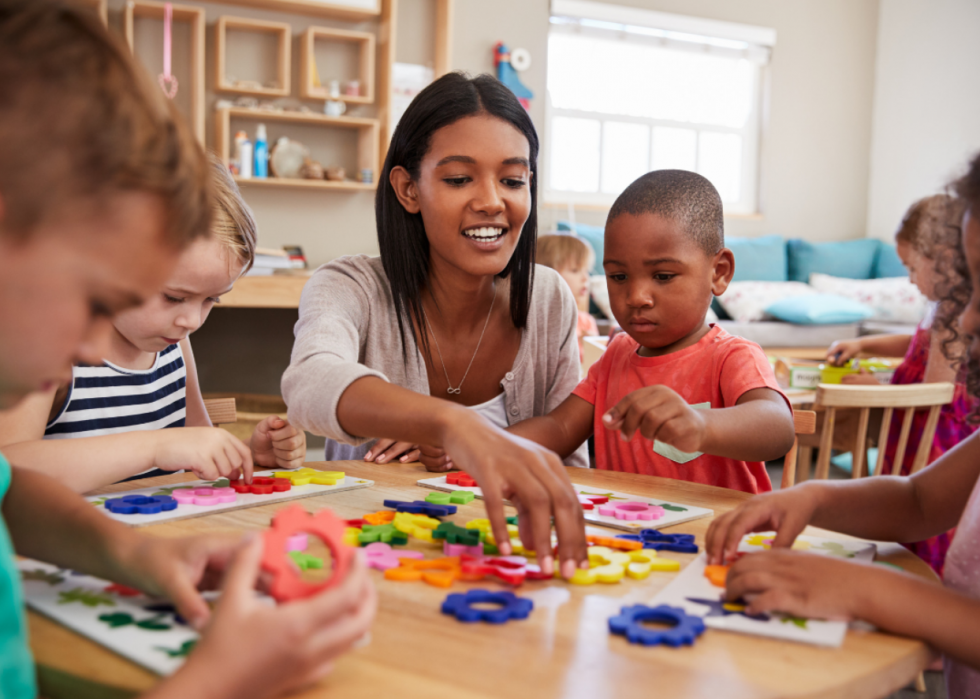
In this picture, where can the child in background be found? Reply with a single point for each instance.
(101, 188)
(928, 235)
(572, 258)
(913, 508)
(707, 400)
(139, 412)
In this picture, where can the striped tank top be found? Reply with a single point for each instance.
(108, 399)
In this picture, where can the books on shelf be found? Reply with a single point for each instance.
(268, 260)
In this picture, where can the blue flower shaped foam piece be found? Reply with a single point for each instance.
(629, 623)
(658, 541)
(421, 507)
(511, 606)
(141, 504)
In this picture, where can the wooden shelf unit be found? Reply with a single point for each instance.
(181, 13)
(367, 144)
(354, 12)
(283, 34)
(365, 43)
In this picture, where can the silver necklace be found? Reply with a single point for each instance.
(456, 391)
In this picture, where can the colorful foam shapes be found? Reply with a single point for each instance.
(721, 607)
(204, 496)
(297, 542)
(286, 581)
(421, 507)
(455, 534)
(352, 536)
(765, 541)
(461, 478)
(379, 517)
(457, 497)
(141, 504)
(306, 475)
(306, 561)
(716, 574)
(383, 557)
(384, 533)
(461, 549)
(643, 562)
(614, 542)
(358, 523)
(510, 606)
(417, 526)
(260, 485)
(629, 623)
(631, 510)
(440, 572)
(122, 590)
(658, 541)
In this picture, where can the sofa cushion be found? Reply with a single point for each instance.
(888, 263)
(748, 300)
(593, 235)
(893, 299)
(853, 259)
(819, 309)
(758, 259)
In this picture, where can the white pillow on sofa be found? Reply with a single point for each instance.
(893, 299)
(747, 301)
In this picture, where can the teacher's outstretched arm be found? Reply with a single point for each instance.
(506, 466)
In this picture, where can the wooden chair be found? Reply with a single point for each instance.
(804, 422)
(221, 411)
(833, 397)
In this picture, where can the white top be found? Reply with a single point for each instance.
(494, 410)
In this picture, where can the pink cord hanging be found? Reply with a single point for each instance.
(167, 80)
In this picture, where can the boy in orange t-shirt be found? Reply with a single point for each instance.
(688, 400)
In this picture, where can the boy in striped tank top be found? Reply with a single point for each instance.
(140, 412)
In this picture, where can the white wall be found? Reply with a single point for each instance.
(926, 120)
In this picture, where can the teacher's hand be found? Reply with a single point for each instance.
(533, 478)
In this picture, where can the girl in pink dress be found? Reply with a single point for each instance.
(925, 236)
(938, 498)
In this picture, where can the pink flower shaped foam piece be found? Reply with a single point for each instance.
(204, 496)
(632, 510)
(382, 557)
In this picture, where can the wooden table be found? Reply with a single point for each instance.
(563, 649)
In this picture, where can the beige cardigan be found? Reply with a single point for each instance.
(348, 329)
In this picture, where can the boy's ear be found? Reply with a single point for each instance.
(722, 271)
(405, 189)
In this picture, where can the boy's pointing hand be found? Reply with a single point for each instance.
(658, 413)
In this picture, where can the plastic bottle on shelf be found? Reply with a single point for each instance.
(243, 155)
(261, 153)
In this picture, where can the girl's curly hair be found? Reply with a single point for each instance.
(955, 286)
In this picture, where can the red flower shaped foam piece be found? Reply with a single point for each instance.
(260, 485)
(287, 584)
(460, 478)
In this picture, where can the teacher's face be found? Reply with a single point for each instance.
(473, 193)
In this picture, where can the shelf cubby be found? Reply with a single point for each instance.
(188, 66)
(343, 46)
(280, 31)
(347, 10)
(367, 144)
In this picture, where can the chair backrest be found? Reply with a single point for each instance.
(221, 411)
(906, 397)
(804, 422)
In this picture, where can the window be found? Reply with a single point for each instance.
(631, 91)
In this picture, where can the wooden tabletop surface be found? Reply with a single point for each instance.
(563, 649)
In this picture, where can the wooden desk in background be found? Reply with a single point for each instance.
(273, 291)
(563, 649)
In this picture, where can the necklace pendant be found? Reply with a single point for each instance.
(454, 391)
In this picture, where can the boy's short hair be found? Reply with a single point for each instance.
(681, 196)
(234, 224)
(558, 250)
(82, 122)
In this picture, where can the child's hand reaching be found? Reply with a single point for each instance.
(799, 583)
(787, 512)
(276, 443)
(843, 351)
(659, 413)
(210, 452)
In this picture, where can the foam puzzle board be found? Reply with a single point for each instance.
(696, 595)
(242, 500)
(673, 513)
(144, 630)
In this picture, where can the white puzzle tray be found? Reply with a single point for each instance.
(665, 513)
(185, 510)
(696, 595)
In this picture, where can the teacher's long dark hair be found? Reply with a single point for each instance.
(401, 235)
